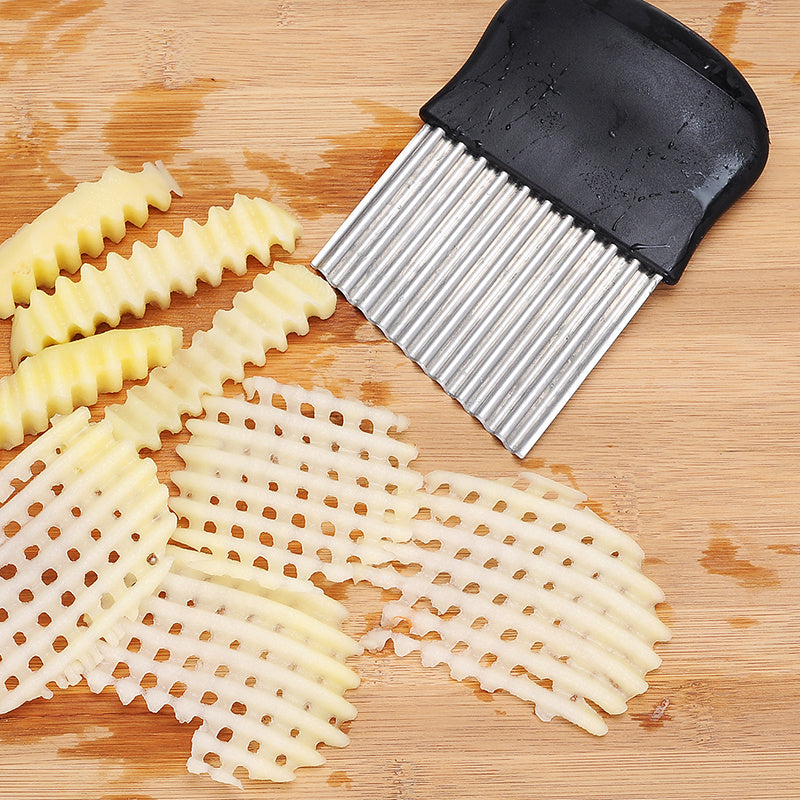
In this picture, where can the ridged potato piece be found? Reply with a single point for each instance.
(510, 584)
(251, 226)
(298, 483)
(65, 376)
(77, 225)
(279, 303)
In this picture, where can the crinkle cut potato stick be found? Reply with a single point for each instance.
(85, 525)
(77, 225)
(525, 594)
(299, 483)
(279, 303)
(259, 659)
(65, 376)
(250, 227)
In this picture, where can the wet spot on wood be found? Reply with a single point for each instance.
(480, 693)
(726, 29)
(59, 11)
(47, 30)
(151, 121)
(721, 558)
(726, 26)
(352, 163)
(535, 463)
(656, 718)
(596, 506)
(372, 619)
(378, 393)
(564, 472)
(339, 778)
(785, 549)
(26, 151)
(338, 591)
(367, 332)
(99, 728)
(13, 10)
(209, 174)
(742, 622)
(119, 735)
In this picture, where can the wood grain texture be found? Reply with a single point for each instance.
(686, 435)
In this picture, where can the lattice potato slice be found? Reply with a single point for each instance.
(522, 593)
(251, 226)
(606, 537)
(279, 303)
(65, 376)
(85, 524)
(77, 225)
(298, 483)
(554, 530)
(260, 660)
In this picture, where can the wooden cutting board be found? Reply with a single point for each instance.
(686, 435)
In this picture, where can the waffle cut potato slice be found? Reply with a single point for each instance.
(77, 225)
(63, 377)
(298, 483)
(251, 226)
(523, 593)
(85, 524)
(279, 303)
(259, 659)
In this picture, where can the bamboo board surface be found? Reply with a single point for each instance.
(686, 435)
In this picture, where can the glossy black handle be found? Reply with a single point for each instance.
(618, 113)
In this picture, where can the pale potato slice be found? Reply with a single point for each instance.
(299, 483)
(522, 593)
(84, 525)
(259, 659)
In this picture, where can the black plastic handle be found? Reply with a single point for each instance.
(616, 112)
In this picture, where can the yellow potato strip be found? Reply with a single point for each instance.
(151, 274)
(65, 376)
(279, 303)
(77, 225)
(531, 505)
